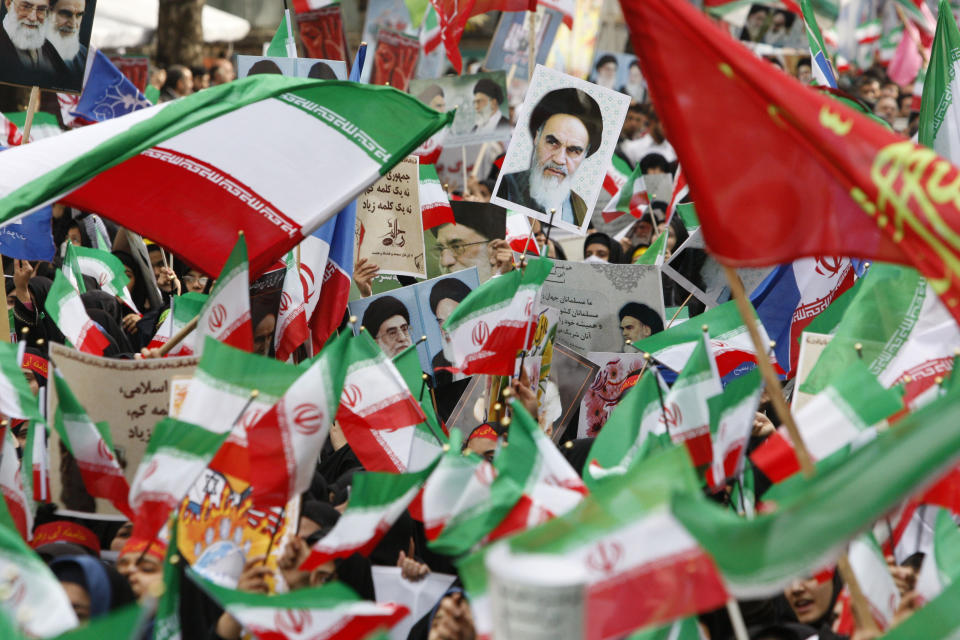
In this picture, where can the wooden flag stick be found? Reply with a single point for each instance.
(736, 619)
(679, 309)
(178, 337)
(769, 375)
(532, 61)
(32, 106)
(463, 161)
(861, 608)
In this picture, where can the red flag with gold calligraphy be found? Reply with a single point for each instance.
(453, 15)
(780, 171)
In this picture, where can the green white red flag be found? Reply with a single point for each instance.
(939, 618)
(331, 612)
(941, 564)
(866, 202)
(292, 329)
(630, 198)
(16, 399)
(687, 418)
(226, 314)
(495, 321)
(434, 206)
(64, 306)
(377, 500)
(429, 436)
(284, 444)
(91, 448)
(162, 169)
(11, 485)
(616, 176)
(41, 608)
(731, 422)
(377, 412)
(106, 269)
(873, 574)
(597, 542)
(183, 309)
(837, 417)
(939, 116)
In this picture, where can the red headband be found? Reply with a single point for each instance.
(484, 431)
(36, 364)
(155, 548)
(65, 531)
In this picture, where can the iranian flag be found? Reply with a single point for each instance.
(183, 309)
(635, 429)
(35, 599)
(35, 468)
(16, 399)
(181, 164)
(617, 174)
(331, 612)
(631, 198)
(11, 485)
(872, 480)
(166, 624)
(176, 455)
(686, 416)
(226, 314)
(680, 191)
(429, 436)
(904, 331)
(873, 574)
(71, 269)
(378, 414)
(292, 330)
(939, 116)
(731, 422)
(284, 444)
(434, 205)
(456, 497)
(106, 269)
(377, 500)
(939, 618)
(518, 234)
(834, 418)
(823, 74)
(656, 253)
(67, 311)
(941, 564)
(597, 543)
(91, 448)
(230, 391)
(494, 323)
(731, 343)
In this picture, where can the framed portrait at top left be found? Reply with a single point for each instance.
(44, 43)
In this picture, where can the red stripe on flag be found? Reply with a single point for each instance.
(161, 194)
(108, 486)
(232, 459)
(268, 451)
(348, 629)
(673, 587)
(317, 558)
(152, 515)
(92, 340)
(776, 458)
(436, 215)
(294, 335)
(17, 513)
(498, 356)
(331, 304)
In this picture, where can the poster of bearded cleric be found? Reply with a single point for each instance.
(44, 43)
(558, 156)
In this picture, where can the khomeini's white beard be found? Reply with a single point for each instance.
(67, 46)
(548, 191)
(22, 36)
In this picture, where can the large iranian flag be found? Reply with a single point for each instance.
(16, 399)
(904, 331)
(732, 346)
(182, 165)
(816, 517)
(377, 500)
(89, 444)
(598, 541)
(226, 314)
(67, 311)
(284, 444)
(35, 599)
(939, 116)
(377, 412)
(331, 612)
(493, 324)
(833, 419)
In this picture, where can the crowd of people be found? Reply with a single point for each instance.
(103, 567)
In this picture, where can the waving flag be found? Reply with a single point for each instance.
(686, 413)
(494, 322)
(794, 294)
(731, 421)
(453, 16)
(616, 176)
(183, 309)
(327, 268)
(30, 237)
(823, 73)
(67, 311)
(681, 190)
(107, 93)
(181, 164)
(864, 202)
(939, 116)
(331, 612)
(226, 314)
(11, 485)
(292, 330)
(16, 399)
(106, 269)
(9, 134)
(631, 198)
(434, 205)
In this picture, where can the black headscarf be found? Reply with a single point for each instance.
(139, 291)
(612, 246)
(40, 325)
(104, 309)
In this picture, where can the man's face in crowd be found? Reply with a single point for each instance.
(73, 235)
(67, 17)
(634, 124)
(145, 574)
(394, 335)
(185, 85)
(561, 147)
(607, 74)
(263, 334)
(156, 260)
(24, 22)
(887, 109)
(484, 106)
(809, 599)
(890, 90)
(804, 74)
(633, 330)
(460, 248)
(195, 281)
(870, 91)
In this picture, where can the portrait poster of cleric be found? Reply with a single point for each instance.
(44, 43)
(565, 136)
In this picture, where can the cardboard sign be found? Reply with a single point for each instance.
(291, 67)
(132, 396)
(606, 390)
(389, 229)
(811, 347)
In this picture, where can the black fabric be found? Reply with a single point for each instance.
(333, 466)
(355, 573)
(40, 325)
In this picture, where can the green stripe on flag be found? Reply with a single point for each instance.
(938, 619)
(938, 83)
(225, 367)
(499, 292)
(326, 597)
(126, 623)
(13, 374)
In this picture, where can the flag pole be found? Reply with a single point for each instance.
(769, 375)
(861, 608)
(178, 337)
(736, 619)
(32, 106)
(291, 44)
(679, 309)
